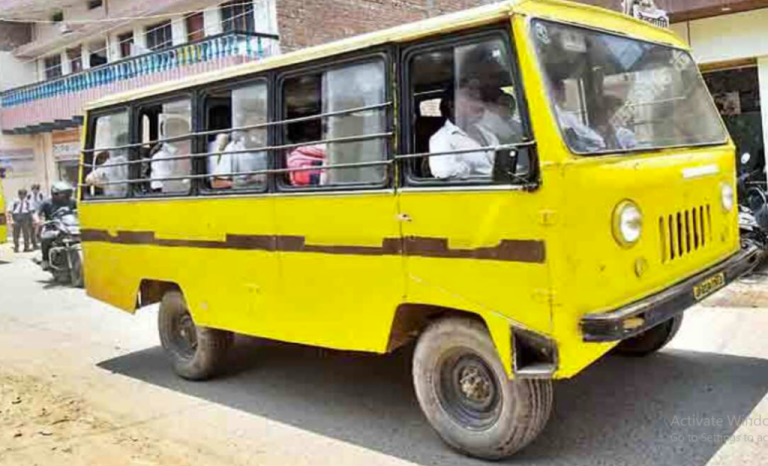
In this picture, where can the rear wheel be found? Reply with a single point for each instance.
(651, 340)
(197, 353)
(467, 397)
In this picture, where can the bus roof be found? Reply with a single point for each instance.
(553, 9)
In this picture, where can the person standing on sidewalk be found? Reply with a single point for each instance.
(35, 199)
(21, 221)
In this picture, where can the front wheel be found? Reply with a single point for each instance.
(197, 353)
(467, 397)
(76, 268)
(651, 340)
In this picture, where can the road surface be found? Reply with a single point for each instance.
(84, 383)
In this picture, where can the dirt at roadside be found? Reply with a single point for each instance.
(750, 291)
(42, 426)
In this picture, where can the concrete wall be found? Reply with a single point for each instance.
(729, 37)
(14, 72)
(13, 35)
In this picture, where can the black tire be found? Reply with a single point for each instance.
(498, 416)
(197, 353)
(62, 277)
(76, 271)
(651, 340)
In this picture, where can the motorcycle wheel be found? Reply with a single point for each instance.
(76, 278)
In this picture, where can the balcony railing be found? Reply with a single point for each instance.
(170, 63)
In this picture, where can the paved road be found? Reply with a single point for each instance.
(287, 404)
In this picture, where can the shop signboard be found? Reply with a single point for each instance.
(646, 10)
(66, 151)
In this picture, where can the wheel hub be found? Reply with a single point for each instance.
(469, 391)
(475, 384)
(186, 335)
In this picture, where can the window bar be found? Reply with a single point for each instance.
(466, 151)
(350, 111)
(256, 172)
(260, 149)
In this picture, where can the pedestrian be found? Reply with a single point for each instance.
(36, 199)
(21, 221)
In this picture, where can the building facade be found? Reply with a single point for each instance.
(57, 55)
(729, 39)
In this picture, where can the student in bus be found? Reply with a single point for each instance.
(610, 122)
(216, 147)
(173, 168)
(501, 117)
(112, 168)
(238, 158)
(313, 155)
(462, 131)
(581, 137)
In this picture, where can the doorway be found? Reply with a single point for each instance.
(737, 95)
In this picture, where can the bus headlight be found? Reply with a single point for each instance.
(627, 223)
(727, 197)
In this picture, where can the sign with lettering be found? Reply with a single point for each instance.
(66, 151)
(646, 10)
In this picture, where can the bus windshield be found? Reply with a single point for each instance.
(612, 94)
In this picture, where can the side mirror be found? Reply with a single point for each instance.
(745, 158)
(504, 165)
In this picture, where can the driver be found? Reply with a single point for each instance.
(61, 196)
(462, 132)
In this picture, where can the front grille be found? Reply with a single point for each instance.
(684, 232)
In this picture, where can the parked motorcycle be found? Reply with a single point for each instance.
(753, 206)
(66, 254)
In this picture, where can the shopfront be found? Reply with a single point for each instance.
(736, 90)
(66, 150)
(732, 51)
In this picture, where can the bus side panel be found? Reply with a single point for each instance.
(221, 257)
(343, 274)
(484, 252)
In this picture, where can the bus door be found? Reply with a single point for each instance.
(338, 234)
(470, 243)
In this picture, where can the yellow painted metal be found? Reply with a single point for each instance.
(349, 300)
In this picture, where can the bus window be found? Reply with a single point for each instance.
(463, 99)
(161, 129)
(332, 91)
(614, 94)
(107, 163)
(238, 151)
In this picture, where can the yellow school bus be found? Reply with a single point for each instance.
(518, 189)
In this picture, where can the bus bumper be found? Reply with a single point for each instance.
(635, 318)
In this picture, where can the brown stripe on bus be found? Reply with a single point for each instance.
(532, 251)
(507, 250)
(2, 219)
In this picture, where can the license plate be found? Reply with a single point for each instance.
(709, 286)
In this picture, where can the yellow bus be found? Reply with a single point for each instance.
(519, 189)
